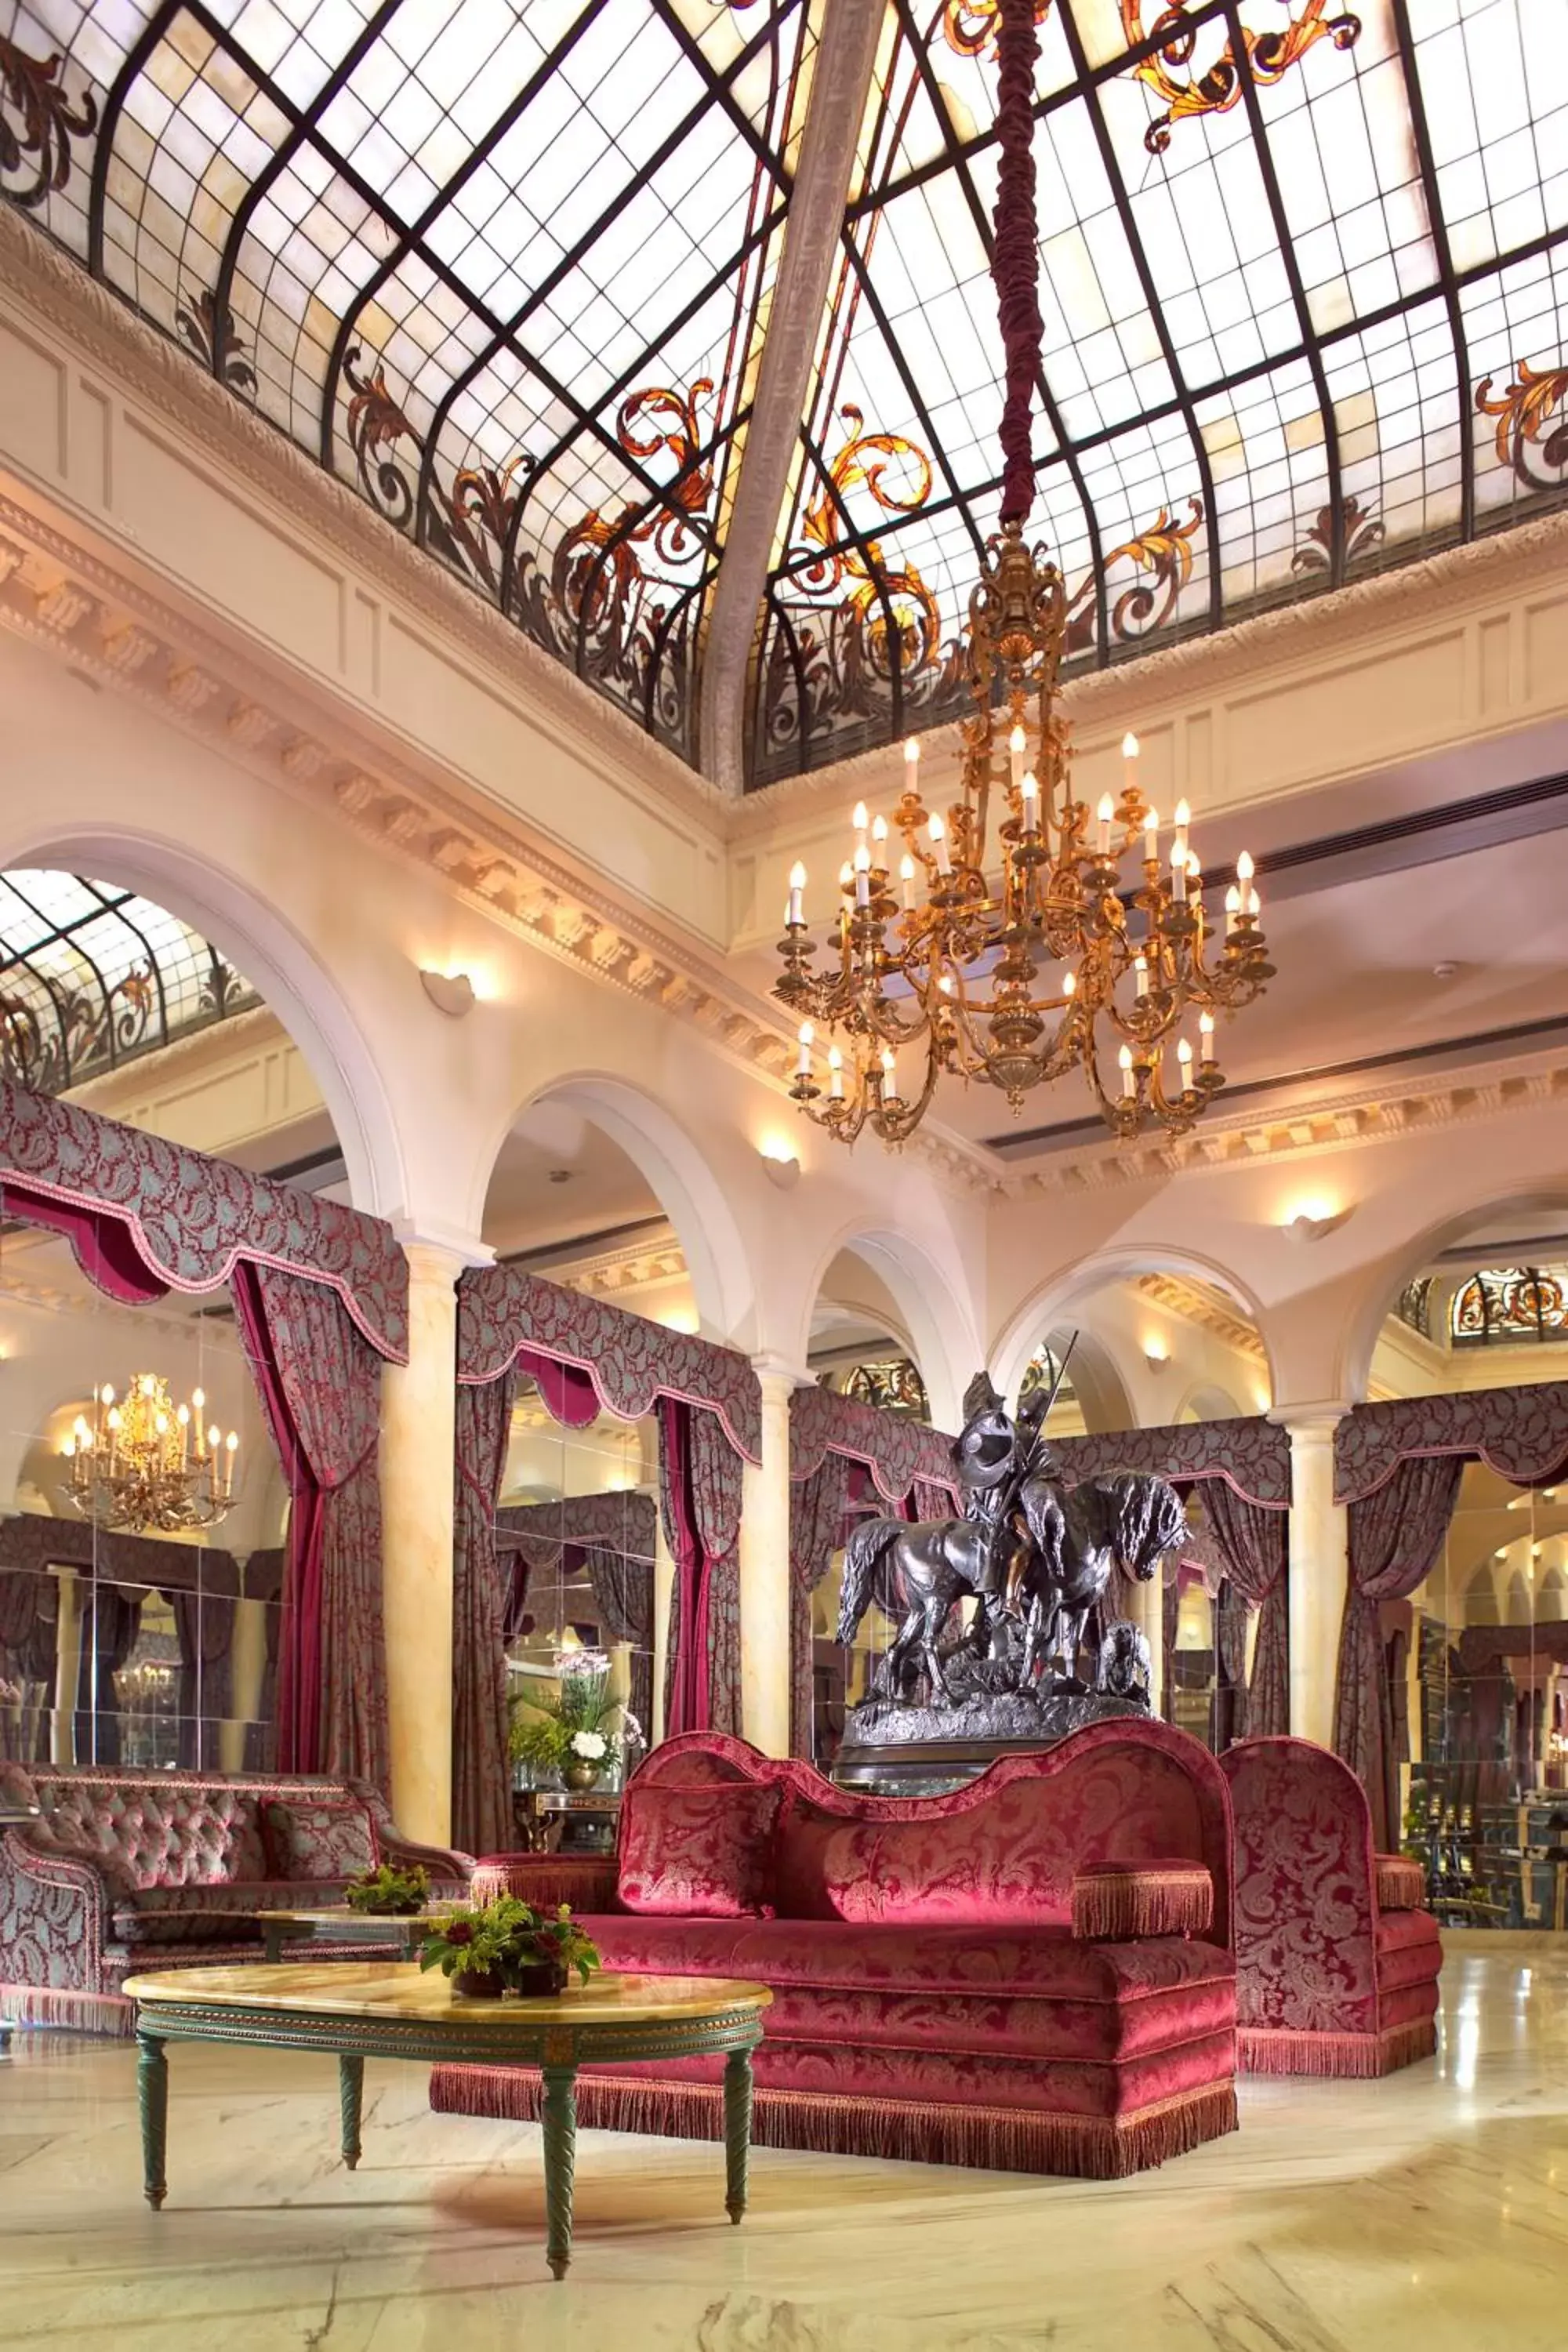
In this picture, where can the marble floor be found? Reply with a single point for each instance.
(1429, 2210)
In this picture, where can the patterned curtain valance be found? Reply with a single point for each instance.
(896, 1451)
(621, 1522)
(1253, 1455)
(192, 1217)
(632, 1362)
(1521, 1433)
(29, 1540)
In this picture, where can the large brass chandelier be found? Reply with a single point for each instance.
(146, 1467)
(1050, 939)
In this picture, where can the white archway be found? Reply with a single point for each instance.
(1060, 1301)
(678, 1176)
(1393, 1273)
(273, 955)
(947, 1348)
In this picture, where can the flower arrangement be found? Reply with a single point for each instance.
(578, 1729)
(508, 1946)
(389, 1893)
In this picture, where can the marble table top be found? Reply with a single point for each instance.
(404, 1991)
(343, 1914)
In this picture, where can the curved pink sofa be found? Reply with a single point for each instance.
(958, 1979)
(1336, 1964)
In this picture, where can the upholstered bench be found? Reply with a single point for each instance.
(1033, 1973)
(1336, 1961)
(113, 1870)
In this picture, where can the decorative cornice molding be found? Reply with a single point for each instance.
(1189, 1305)
(1457, 1098)
(306, 742)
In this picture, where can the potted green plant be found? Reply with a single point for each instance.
(506, 1946)
(389, 1893)
(576, 1731)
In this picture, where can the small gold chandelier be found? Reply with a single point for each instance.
(145, 1466)
(1019, 957)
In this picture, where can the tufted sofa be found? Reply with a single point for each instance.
(1033, 1973)
(113, 1870)
(1337, 1962)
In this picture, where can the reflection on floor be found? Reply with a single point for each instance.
(1431, 2210)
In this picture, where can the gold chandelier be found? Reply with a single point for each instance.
(145, 1466)
(1052, 939)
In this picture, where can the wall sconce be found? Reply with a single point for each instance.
(1309, 1221)
(451, 993)
(1156, 1355)
(780, 1165)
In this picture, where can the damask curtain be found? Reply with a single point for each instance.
(204, 1623)
(817, 1507)
(319, 1386)
(101, 1243)
(1170, 1611)
(1252, 1545)
(29, 1604)
(1396, 1535)
(481, 1779)
(1230, 1715)
(110, 1622)
(700, 1480)
(623, 1587)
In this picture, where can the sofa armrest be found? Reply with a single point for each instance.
(54, 1914)
(1119, 1902)
(444, 1862)
(1399, 1882)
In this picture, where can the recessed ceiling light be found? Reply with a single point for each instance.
(560, 1175)
(1445, 971)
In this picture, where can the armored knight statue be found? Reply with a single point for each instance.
(1039, 1557)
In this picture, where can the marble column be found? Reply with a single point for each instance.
(1319, 1567)
(68, 1665)
(417, 1436)
(1148, 1612)
(764, 1570)
(248, 1669)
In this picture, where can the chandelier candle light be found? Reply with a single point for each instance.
(1019, 951)
(144, 1465)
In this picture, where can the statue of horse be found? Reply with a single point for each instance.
(1063, 1555)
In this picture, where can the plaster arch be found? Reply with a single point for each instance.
(1388, 1277)
(274, 956)
(1098, 1381)
(1059, 1301)
(681, 1178)
(947, 1347)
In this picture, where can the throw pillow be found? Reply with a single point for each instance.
(700, 1852)
(317, 1838)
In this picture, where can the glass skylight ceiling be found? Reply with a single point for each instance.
(505, 265)
(92, 976)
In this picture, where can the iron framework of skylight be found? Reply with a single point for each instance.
(93, 976)
(501, 267)
(1304, 319)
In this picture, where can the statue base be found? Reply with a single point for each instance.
(916, 1750)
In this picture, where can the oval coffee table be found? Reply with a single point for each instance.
(360, 2009)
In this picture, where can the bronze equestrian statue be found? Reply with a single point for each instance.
(1027, 1548)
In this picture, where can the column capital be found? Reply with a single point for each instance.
(778, 1370)
(438, 1257)
(1319, 1418)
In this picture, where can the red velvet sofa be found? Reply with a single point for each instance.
(1033, 1973)
(1337, 1963)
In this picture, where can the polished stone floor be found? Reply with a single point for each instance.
(1430, 2212)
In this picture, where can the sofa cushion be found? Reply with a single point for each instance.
(161, 1930)
(315, 1838)
(1042, 1965)
(229, 1912)
(1007, 1860)
(1409, 1949)
(153, 1835)
(701, 1852)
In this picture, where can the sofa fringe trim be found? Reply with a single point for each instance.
(1399, 1882)
(1002, 2139)
(58, 2005)
(1274, 2051)
(1117, 1907)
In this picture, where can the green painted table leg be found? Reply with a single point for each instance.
(737, 2129)
(153, 2094)
(350, 2086)
(559, 2158)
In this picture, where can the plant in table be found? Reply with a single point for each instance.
(507, 1945)
(389, 1893)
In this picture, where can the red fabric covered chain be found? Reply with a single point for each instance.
(1016, 261)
